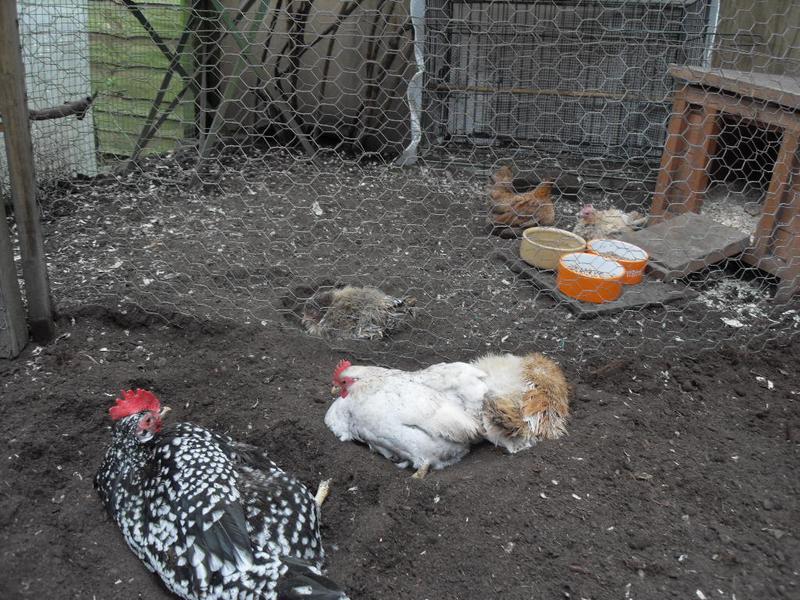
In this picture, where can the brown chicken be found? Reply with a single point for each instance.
(528, 400)
(507, 208)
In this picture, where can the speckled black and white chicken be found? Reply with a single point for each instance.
(213, 518)
(350, 312)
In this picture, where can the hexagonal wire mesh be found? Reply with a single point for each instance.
(242, 157)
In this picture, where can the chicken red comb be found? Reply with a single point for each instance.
(132, 402)
(343, 364)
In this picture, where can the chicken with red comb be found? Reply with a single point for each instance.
(215, 519)
(131, 402)
(430, 418)
(425, 419)
(340, 382)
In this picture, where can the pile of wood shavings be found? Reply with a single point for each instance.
(734, 205)
(741, 303)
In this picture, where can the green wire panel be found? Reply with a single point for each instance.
(127, 69)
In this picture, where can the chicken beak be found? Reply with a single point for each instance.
(336, 391)
(164, 412)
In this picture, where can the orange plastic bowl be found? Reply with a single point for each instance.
(633, 258)
(590, 277)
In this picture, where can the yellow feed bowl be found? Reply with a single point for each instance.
(543, 247)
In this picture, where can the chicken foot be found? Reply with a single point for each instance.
(323, 490)
(421, 472)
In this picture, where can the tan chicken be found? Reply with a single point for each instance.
(507, 208)
(609, 223)
(528, 400)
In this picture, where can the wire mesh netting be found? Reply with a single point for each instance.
(239, 164)
(238, 194)
(558, 74)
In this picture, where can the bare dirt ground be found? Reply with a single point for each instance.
(677, 479)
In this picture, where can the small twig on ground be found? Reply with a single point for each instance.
(580, 569)
(607, 369)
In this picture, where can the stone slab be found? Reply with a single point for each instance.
(688, 243)
(651, 292)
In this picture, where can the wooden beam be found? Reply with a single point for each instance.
(777, 249)
(789, 283)
(790, 273)
(22, 179)
(670, 158)
(770, 264)
(702, 144)
(778, 187)
(561, 93)
(781, 219)
(754, 110)
(13, 329)
(787, 271)
(780, 89)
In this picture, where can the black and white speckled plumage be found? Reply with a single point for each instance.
(215, 519)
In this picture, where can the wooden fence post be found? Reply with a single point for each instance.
(13, 329)
(19, 154)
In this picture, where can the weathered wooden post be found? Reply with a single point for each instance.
(19, 154)
(13, 329)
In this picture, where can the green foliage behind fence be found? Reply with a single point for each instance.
(127, 69)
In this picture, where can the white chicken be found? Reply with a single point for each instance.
(430, 418)
(596, 224)
(425, 419)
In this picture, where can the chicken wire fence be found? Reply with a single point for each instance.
(242, 159)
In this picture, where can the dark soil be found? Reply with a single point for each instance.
(678, 477)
